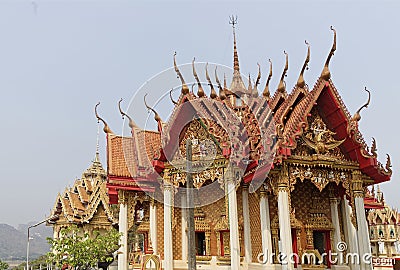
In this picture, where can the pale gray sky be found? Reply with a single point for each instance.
(58, 58)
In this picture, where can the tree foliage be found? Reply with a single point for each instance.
(77, 249)
(3, 265)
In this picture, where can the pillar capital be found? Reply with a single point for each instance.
(122, 197)
(357, 184)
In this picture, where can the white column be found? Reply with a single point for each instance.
(184, 228)
(362, 232)
(349, 232)
(265, 227)
(153, 226)
(285, 231)
(123, 229)
(168, 255)
(335, 221)
(246, 224)
(233, 220)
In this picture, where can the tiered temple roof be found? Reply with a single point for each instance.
(272, 125)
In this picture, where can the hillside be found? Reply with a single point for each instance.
(13, 242)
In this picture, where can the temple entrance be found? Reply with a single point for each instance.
(294, 248)
(200, 240)
(323, 245)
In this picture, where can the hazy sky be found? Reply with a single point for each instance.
(58, 58)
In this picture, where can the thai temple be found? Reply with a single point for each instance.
(280, 178)
(384, 227)
(85, 204)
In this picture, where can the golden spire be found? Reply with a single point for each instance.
(131, 123)
(106, 128)
(225, 86)
(170, 96)
(249, 87)
(200, 91)
(185, 89)
(222, 95)
(357, 116)
(266, 92)
(300, 82)
(282, 85)
(213, 94)
(326, 74)
(156, 116)
(233, 22)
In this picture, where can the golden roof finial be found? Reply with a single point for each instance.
(249, 87)
(106, 128)
(170, 96)
(326, 74)
(213, 94)
(357, 116)
(300, 82)
(255, 89)
(222, 95)
(200, 91)
(388, 163)
(185, 88)
(233, 22)
(225, 86)
(282, 85)
(156, 116)
(266, 92)
(373, 147)
(131, 123)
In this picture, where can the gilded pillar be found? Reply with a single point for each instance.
(232, 178)
(265, 226)
(335, 218)
(285, 232)
(246, 224)
(123, 229)
(362, 230)
(168, 254)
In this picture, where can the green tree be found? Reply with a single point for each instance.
(3, 265)
(77, 249)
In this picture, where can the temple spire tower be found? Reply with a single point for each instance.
(237, 85)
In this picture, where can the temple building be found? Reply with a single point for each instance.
(384, 228)
(85, 204)
(274, 176)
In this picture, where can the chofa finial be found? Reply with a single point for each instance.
(300, 82)
(222, 95)
(185, 88)
(282, 85)
(213, 94)
(131, 123)
(357, 116)
(326, 74)
(266, 92)
(106, 128)
(200, 91)
(156, 116)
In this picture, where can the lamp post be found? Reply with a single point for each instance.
(190, 209)
(50, 219)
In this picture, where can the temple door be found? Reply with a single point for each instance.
(322, 243)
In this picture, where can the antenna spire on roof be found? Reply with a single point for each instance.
(233, 22)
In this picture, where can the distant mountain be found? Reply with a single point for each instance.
(13, 242)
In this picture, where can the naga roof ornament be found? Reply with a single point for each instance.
(106, 128)
(357, 116)
(200, 91)
(266, 92)
(213, 94)
(222, 95)
(170, 96)
(300, 82)
(282, 84)
(326, 74)
(255, 89)
(156, 115)
(131, 122)
(185, 88)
